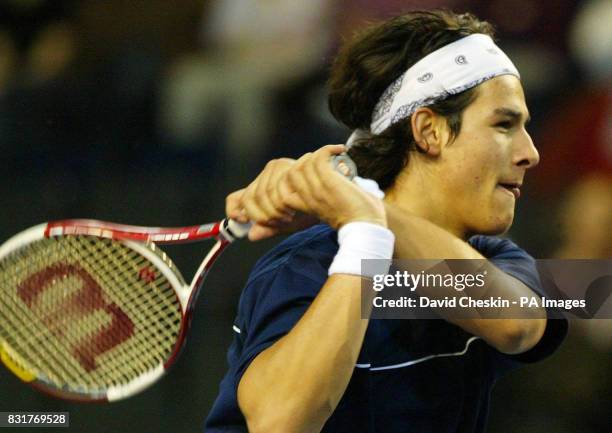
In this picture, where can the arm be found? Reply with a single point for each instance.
(296, 384)
(417, 238)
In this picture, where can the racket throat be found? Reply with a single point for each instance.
(188, 295)
(183, 294)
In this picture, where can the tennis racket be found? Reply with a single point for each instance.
(96, 311)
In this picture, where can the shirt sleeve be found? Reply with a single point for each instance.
(274, 302)
(513, 260)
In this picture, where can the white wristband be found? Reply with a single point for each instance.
(363, 241)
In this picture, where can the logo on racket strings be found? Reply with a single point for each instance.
(146, 274)
(66, 312)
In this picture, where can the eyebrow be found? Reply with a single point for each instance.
(516, 115)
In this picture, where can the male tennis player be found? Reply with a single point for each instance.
(439, 117)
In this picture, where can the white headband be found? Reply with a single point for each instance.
(447, 71)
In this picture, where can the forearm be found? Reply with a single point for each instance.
(295, 385)
(417, 238)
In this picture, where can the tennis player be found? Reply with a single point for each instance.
(439, 117)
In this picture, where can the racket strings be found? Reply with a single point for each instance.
(108, 271)
(37, 340)
(158, 308)
(120, 265)
(34, 339)
(63, 333)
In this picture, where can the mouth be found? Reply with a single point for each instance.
(513, 188)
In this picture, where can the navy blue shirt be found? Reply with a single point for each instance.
(412, 376)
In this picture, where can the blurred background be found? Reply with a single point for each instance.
(149, 112)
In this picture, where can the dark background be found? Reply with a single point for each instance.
(150, 112)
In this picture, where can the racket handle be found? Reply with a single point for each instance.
(233, 230)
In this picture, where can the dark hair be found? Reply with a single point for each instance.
(371, 61)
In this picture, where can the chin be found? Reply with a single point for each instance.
(494, 225)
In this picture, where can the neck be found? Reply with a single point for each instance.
(413, 193)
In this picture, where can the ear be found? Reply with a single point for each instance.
(430, 131)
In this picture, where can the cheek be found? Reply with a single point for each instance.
(479, 178)
(488, 164)
(479, 169)
(476, 171)
(480, 172)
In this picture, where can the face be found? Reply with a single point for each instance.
(482, 170)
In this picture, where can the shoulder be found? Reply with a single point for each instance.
(498, 248)
(316, 245)
(510, 258)
(281, 287)
(290, 274)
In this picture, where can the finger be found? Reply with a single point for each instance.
(251, 205)
(304, 188)
(233, 206)
(267, 187)
(254, 212)
(288, 196)
(326, 153)
(306, 179)
(313, 184)
(259, 232)
(322, 177)
(261, 194)
(273, 193)
(325, 171)
(332, 149)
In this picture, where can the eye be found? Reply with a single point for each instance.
(504, 124)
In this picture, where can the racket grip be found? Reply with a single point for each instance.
(234, 229)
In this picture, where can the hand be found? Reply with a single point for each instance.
(259, 202)
(285, 197)
(312, 186)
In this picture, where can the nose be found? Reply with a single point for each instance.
(526, 155)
